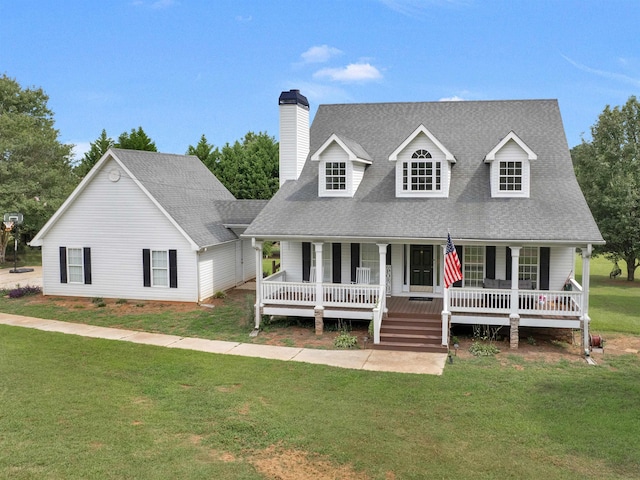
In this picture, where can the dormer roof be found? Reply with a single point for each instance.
(422, 130)
(353, 149)
(510, 136)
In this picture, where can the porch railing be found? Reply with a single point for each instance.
(276, 290)
(531, 302)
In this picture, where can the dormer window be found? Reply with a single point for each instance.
(423, 166)
(510, 176)
(341, 166)
(422, 173)
(336, 175)
(510, 167)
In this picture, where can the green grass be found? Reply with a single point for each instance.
(614, 304)
(231, 321)
(27, 256)
(76, 407)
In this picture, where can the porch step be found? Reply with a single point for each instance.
(409, 332)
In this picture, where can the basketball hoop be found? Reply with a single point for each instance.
(8, 226)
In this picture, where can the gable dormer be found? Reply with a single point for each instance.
(341, 165)
(510, 167)
(423, 166)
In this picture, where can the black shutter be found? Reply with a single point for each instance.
(355, 260)
(460, 257)
(389, 254)
(306, 261)
(86, 252)
(545, 262)
(490, 263)
(336, 261)
(63, 264)
(173, 269)
(146, 267)
(508, 265)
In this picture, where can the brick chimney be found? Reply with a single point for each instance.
(294, 134)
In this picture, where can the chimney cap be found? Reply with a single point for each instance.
(293, 97)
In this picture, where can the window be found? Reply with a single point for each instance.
(336, 175)
(421, 174)
(370, 258)
(75, 265)
(510, 176)
(473, 266)
(159, 268)
(528, 265)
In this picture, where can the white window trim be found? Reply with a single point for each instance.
(465, 263)
(152, 268)
(81, 265)
(536, 265)
(439, 153)
(493, 157)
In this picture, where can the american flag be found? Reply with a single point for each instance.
(452, 267)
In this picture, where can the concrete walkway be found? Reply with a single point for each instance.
(375, 360)
(378, 360)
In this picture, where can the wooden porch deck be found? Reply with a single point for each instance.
(414, 306)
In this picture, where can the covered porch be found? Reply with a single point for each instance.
(513, 305)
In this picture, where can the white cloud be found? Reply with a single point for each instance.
(619, 77)
(79, 149)
(455, 98)
(320, 54)
(241, 19)
(354, 72)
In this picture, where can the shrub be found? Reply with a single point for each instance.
(23, 291)
(345, 340)
(219, 294)
(121, 301)
(483, 349)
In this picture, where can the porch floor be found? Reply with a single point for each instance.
(422, 307)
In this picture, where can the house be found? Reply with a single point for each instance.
(369, 193)
(151, 226)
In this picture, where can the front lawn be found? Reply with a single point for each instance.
(76, 407)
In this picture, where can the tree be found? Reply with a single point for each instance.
(207, 153)
(35, 167)
(248, 168)
(95, 153)
(608, 170)
(136, 140)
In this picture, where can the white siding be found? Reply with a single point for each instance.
(510, 152)
(291, 260)
(248, 261)
(561, 265)
(115, 220)
(397, 269)
(294, 141)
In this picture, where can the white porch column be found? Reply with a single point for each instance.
(586, 267)
(514, 316)
(382, 250)
(445, 305)
(319, 307)
(257, 245)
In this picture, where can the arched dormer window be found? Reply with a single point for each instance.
(422, 173)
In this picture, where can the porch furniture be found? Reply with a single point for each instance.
(363, 275)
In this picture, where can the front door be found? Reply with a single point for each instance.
(421, 268)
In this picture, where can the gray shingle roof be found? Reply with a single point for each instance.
(190, 194)
(555, 212)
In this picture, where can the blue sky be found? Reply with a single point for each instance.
(181, 68)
